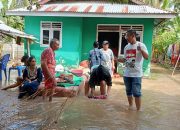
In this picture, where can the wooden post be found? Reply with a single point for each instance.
(13, 50)
(28, 48)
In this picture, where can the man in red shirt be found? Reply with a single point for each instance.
(48, 64)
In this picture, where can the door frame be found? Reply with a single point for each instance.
(141, 33)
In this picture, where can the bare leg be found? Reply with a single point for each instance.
(108, 90)
(103, 87)
(62, 92)
(44, 94)
(11, 86)
(19, 81)
(130, 100)
(138, 103)
(92, 92)
(51, 94)
(85, 84)
(86, 89)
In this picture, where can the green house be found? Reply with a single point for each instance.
(77, 24)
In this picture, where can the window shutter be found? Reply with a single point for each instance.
(56, 25)
(125, 28)
(137, 28)
(108, 28)
(46, 25)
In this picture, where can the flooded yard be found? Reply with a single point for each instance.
(160, 108)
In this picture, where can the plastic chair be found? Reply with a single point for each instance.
(18, 68)
(3, 65)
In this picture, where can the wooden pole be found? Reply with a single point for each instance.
(28, 48)
(176, 64)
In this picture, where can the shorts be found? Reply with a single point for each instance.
(133, 86)
(49, 83)
(99, 74)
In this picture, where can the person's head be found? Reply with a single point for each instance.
(131, 36)
(96, 44)
(24, 59)
(105, 45)
(54, 44)
(32, 61)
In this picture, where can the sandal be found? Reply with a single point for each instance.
(101, 97)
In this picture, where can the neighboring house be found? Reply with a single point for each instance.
(78, 24)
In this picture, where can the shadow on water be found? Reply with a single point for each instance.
(160, 112)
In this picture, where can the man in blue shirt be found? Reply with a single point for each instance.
(99, 74)
(95, 55)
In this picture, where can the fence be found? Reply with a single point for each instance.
(16, 51)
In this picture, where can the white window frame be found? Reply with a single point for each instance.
(50, 33)
(141, 33)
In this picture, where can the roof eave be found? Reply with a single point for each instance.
(109, 15)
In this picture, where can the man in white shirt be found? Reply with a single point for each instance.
(134, 54)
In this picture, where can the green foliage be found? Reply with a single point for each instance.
(168, 32)
(165, 4)
(161, 42)
(13, 21)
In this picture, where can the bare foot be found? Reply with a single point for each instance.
(50, 98)
(130, 108)
(4, 89)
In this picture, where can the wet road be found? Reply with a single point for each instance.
(160, 109)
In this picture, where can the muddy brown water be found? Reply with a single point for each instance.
(160, 109)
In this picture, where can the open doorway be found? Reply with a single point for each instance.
(124, 42)
(113, 38)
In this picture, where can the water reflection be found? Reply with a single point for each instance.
(161, 110)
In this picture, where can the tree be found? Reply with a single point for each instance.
(168, 32)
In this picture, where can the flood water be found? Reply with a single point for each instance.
(160, 109)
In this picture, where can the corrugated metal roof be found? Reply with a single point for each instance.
(43, 1)
(5, 29)
(95, 7)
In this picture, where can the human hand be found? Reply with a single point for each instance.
(113, 68)
(29, 80)
(139, 48)
(54, 82)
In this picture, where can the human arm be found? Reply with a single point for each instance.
(25, 75)
(39, 75)
(45, 68)
(143, 50)
(89, 59)
(112, 60)
(122, 60)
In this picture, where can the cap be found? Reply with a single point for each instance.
(105, 42)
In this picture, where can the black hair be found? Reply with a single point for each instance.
(96, 44)
(30, 59)
(24, 58)
(131, 32)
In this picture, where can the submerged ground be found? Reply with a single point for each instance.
(160, 108)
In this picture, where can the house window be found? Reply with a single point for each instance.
(50, 30)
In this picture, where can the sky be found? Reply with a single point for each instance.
(1, 5)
